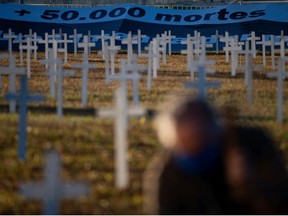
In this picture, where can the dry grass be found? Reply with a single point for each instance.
(86, 143)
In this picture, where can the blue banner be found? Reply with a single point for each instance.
(236, 19)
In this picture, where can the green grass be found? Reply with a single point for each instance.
(86, 143)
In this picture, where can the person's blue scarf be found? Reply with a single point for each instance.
(200, 162)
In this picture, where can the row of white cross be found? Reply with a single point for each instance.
(197, 45)
(129, 70)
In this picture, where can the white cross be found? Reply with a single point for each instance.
(28, 47)
(226, 39)
(271, 43)
(280, 76)
(189, 50)
(217, 38)
(23, 97)
(86, 44)
(55, 36)
(282, 49)
(64, 50)
(89, 40)
(139, 37)
(60, 37)
(121, 113)
(234, 48)
(103, 38)
(150, 57)
(129, 41)
(76, 37)
(12, 70)
(85, 66)
(29, 35)
(202, 85)
(249, 67)
(51, 63)
(163, 46)
(46, 43)
(20, 40)
(52, 189)
(113, 51)
(123, 76)
(156, 64)
(200, 46)
(34, 41)
(60, 75)
(194, 66)
(253, 40)
(10, 36)
(105, 54)
(169, 41)
(264, 43)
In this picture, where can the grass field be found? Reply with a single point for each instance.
(86, 143)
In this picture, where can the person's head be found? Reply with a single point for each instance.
(190, 126)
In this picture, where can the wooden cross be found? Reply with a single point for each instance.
(52, 189)
(23, 98)
(280, 76)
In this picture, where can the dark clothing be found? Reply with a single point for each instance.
(174, 190)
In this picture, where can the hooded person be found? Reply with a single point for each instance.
(207, 166)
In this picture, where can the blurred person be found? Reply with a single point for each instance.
(209, 166)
